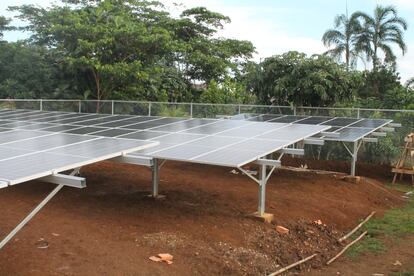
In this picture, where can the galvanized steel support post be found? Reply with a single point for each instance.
(262, 190)
(354, 158)
(155, 177)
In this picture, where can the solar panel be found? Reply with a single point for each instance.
(15, 135)
(59, 128)
(27, 155)
(350, 129)
(144, 135)
(48, 141)
(265, 117)
(351, 134)
(315, 120)
(35, 126)
(113, 132)
(131, 121)
(184, 125)
(341, 122)
(153, 123)
(288, 119)
(85, 130)
(371, 123)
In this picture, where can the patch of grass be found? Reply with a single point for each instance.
(368, 244)
(402, 273)
(400, 187)
(394, 224)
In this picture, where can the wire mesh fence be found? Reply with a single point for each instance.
(386, 151)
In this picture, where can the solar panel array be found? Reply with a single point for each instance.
(209, 141)
(27, 153)
(349, 129)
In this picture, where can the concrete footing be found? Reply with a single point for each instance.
(266, 217)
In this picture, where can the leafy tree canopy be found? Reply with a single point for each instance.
(135, 48)
(296, 79)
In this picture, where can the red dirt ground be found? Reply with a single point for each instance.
(111, 228)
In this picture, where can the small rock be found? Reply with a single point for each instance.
(352, 179)
(42, 244)
(155, 259)
(165, 256)
(234, 172)
(318, 222)
(397, 263)
(282, 230)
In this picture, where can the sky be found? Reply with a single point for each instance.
(278, 26)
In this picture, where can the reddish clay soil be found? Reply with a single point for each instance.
(111, 227)
(380, 172)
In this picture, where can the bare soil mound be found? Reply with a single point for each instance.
(111, 228)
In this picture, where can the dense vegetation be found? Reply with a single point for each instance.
(136, 50)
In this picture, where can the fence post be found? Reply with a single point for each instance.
(294, 110)
(239, 109)
(191, 110)
(41, 105)
(112, 107)
(149, 109)
(80, 106)
(358, 111)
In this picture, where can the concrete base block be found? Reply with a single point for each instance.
(158, 197)
(266, 217)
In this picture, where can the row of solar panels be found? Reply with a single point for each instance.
(222, 142)
(348, 129)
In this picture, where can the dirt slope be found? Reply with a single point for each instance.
(110, 228)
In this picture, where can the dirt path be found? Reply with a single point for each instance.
(111, 228)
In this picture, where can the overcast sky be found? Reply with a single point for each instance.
(277, 26)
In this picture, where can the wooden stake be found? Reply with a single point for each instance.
(356, 228)
(292, 265)
(346, 247)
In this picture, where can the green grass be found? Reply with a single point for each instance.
(402, 274)
(394, 224)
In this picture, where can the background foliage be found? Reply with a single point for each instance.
(136, 50)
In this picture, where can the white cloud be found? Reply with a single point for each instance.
(405, 4)
(267, 36)
(406, 63)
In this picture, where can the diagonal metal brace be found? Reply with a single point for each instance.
(34, 212)
(262, 180)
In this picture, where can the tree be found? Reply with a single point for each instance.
(378, 82)
(203, 57)
(410, 83)
(134, 49)
(31, 71)
(4, 22)
(343, 37)
(379, 32)
(295, 79)
(104, 40)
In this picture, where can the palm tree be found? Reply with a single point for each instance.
(380, 32)
(343, 37)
